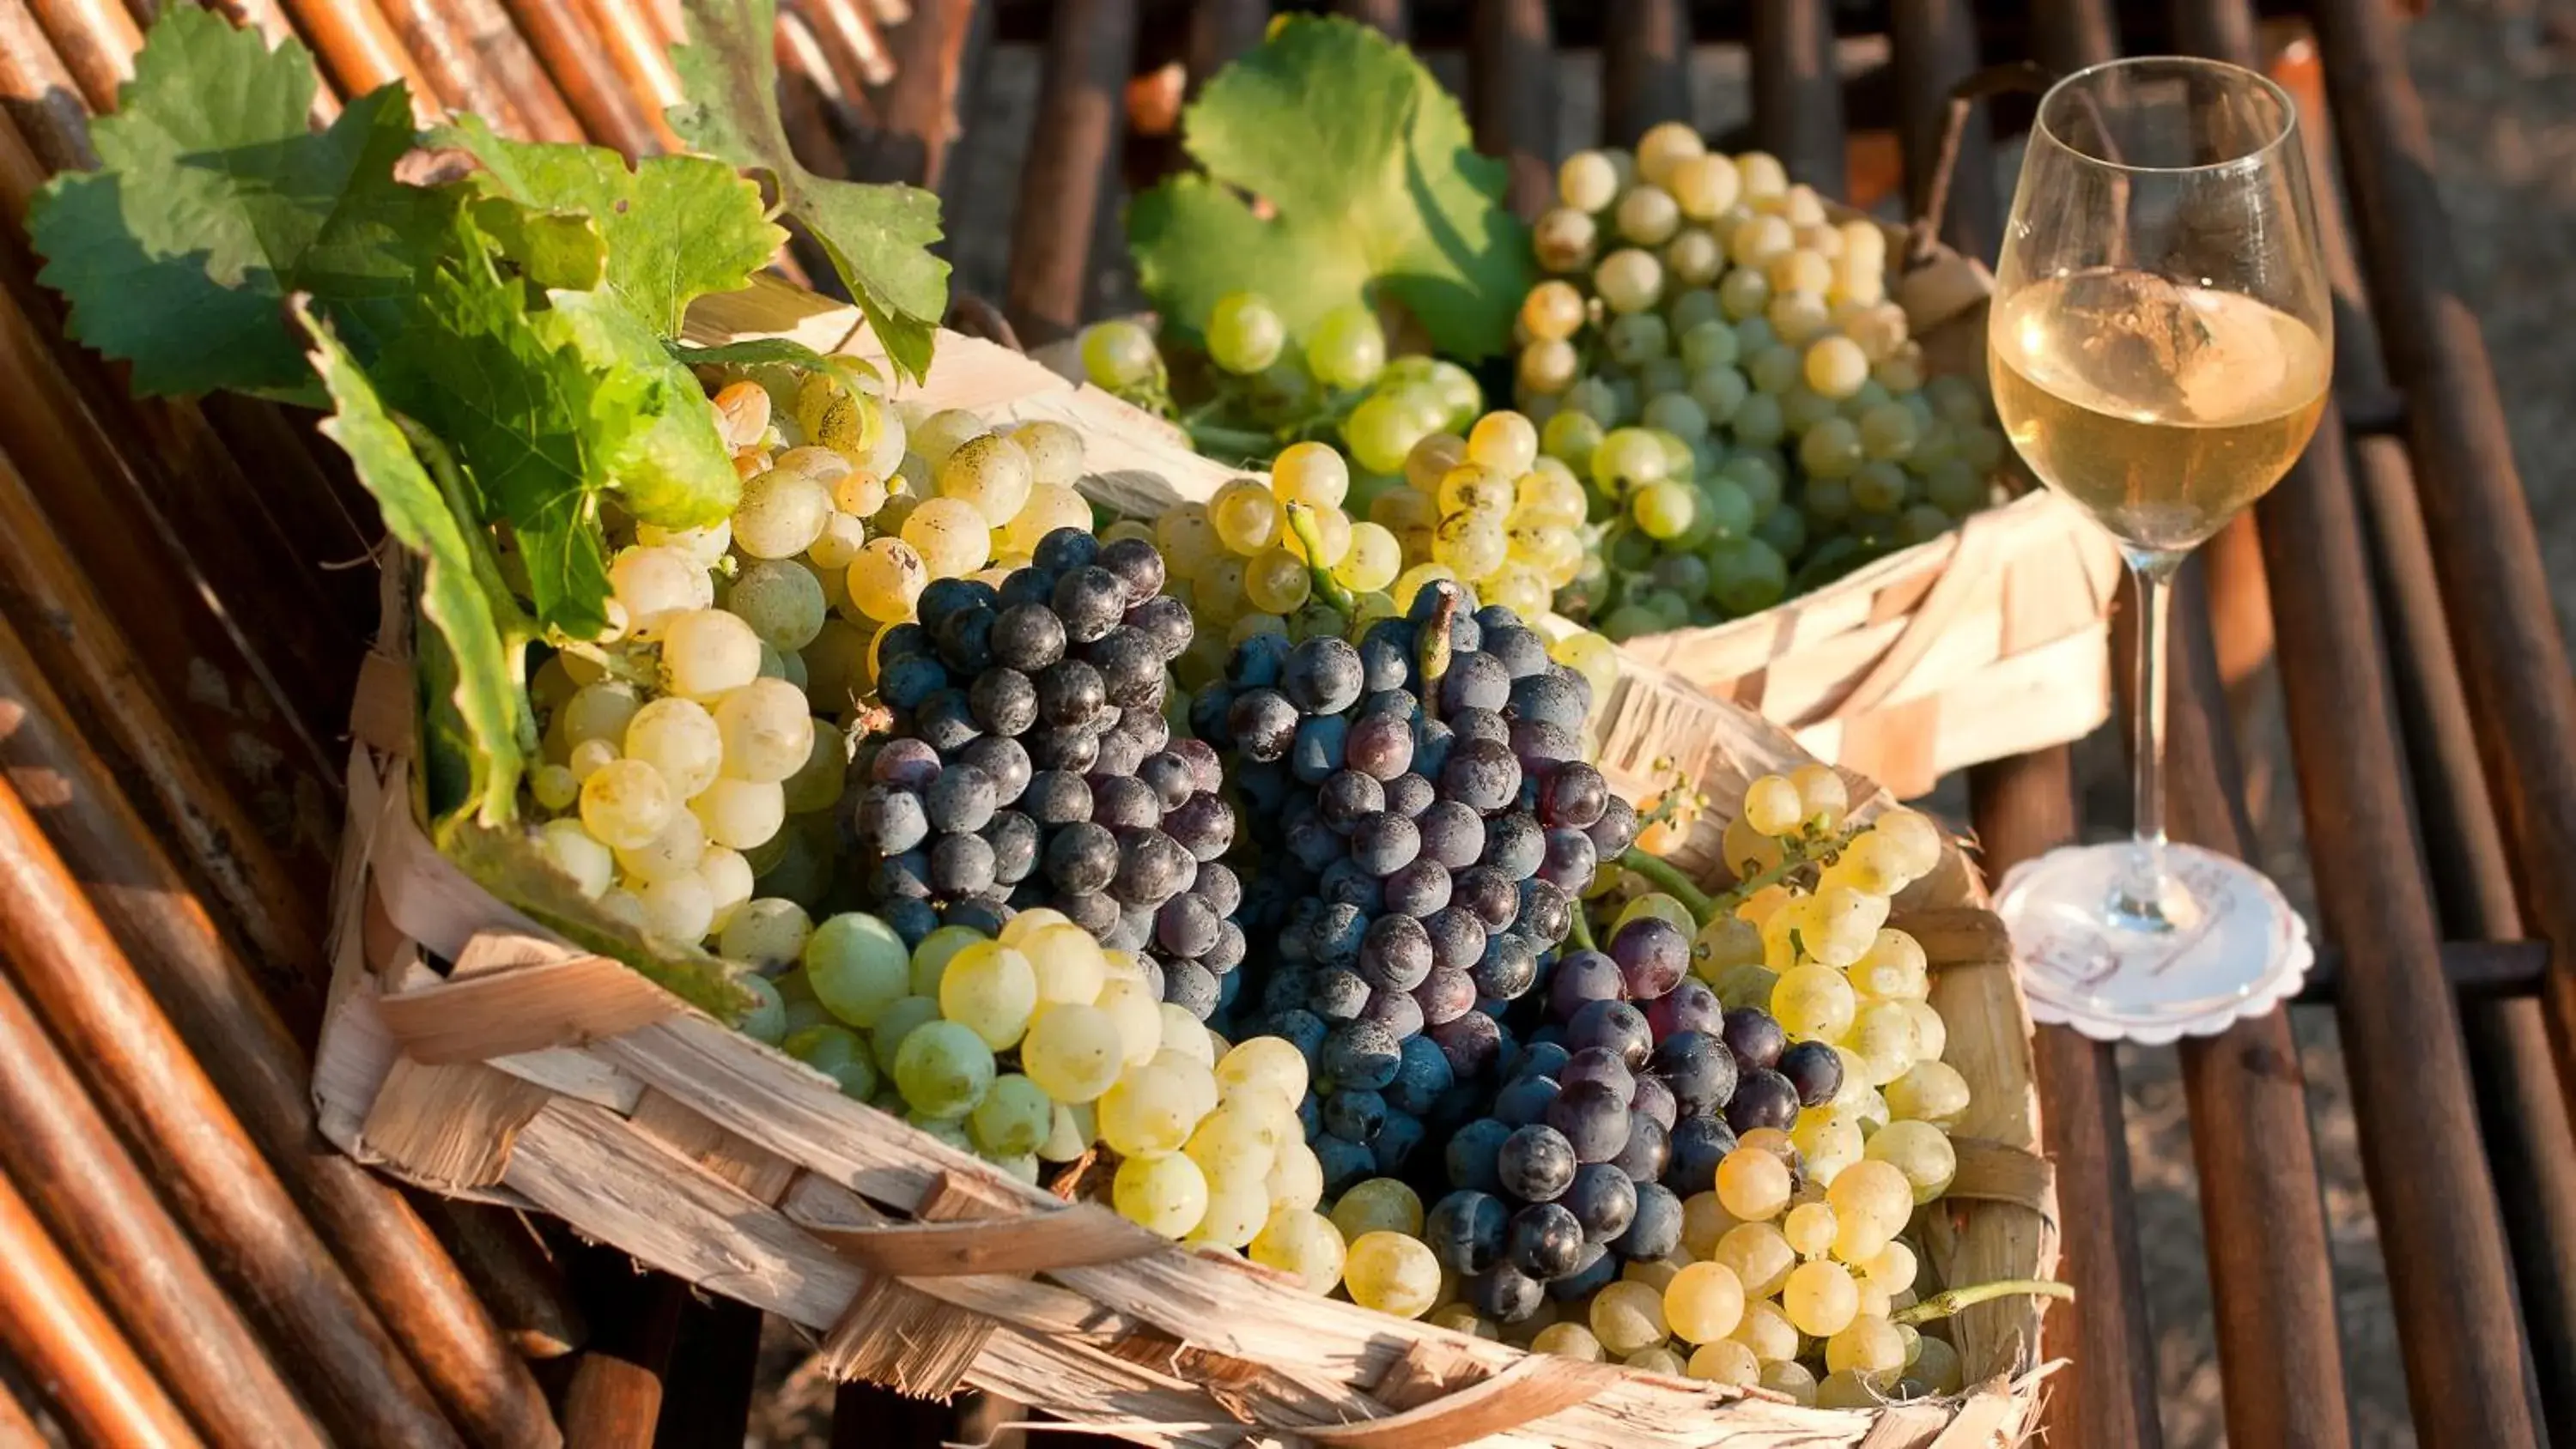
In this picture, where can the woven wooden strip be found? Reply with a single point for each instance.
(1518, 1397)
(896, 1335)
(1080, 1235)
(558, 1003)
(452, 1125)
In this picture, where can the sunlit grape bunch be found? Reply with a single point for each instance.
(1717, 358)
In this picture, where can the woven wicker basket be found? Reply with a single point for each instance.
(474, 1053)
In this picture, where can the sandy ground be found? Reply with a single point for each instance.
(2498, 78)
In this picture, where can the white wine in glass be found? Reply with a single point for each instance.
(2160, 342)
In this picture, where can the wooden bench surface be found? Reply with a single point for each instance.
(172, 699)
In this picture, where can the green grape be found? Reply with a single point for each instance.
(1014, 1119)
(1920, 1151)
(1347, 348)
(897, 1022)
(1626, 1317)
(1149, 1111)
(1835, 366)
(1571, 438)
(1831, 449)
(1552, 312)
(1628, 458)
(1635, 338)
(1455, 390)
(1679, 414)
(1245, 333)
(1742, 294)
(1773, 370)
(1302, 1242)
(1703, 1303)
(885, 578)
(1167, 1194)
(1955, 489)
(1379, 1204)
(857, 966)
(1119, 356)
(836, 1052)
(1747, 575)
(1664, 509)
(1380, 432)
(930, 959)
(1881, 488)
(1694, 258)
(943, 1069)
(1708, 344)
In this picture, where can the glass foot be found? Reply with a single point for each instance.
(2220, 942)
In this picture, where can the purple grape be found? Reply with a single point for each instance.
(1699, 1069)
(1656, 1228)
(1508, 968)
(1573, 796)
(1395, 953)
(1409, 795)
(1481, 775)
(1505, 1294)
(1648, 1151)
(1814, 1069)
(1492, 895)
(1526, 1100)
(1689, 1006)
(1472, 1043)
(1457, 938)
(1445, 995)
(1452, 834)
(1655, 1100)
(1569, 862)
(1697, 1145)
(1755, 1037)
(1536, 1163)
(1384, 843)
(1581, 979)
(1380, 745)
(1397, 1011)
(1514, 845)
(1544, 1240)
(1763, 1099)
(1616, 830)
(1653, 956)
(1465, 1229)
(1592, 1118)
(1612, 1024)
(1262, 722)
(1347, 797)
(1603, 1200)
(1472, 1154)
(1541, 1059)
(1600, 1064)
(906, 764)
(1594, 1266)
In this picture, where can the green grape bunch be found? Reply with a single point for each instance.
(1717, 357)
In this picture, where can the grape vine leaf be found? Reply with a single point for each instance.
(1373, 180)
(877, 236)
(460, 594)
(677, 227)
(215, 200)
(652, 417)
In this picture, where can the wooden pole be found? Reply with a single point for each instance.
(50, 1322)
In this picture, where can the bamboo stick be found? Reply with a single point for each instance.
(104, 1214)
(17, 1425)
(511, 1273)
(50, 1321)
(360, 52)
(62, 954)
(639, 55)
(96, 41)
(487, 32)
(39, 94)
(857, 48)
(246, 1053)
(430, 35)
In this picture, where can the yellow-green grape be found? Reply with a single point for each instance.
(951, 536)
(1771, 806)
(1587, 181)
(1705, 1220)
(940, 434)
(1694, 257)
(1845, 925)
(1568, 1340)
(1505, 442)
(1724, 945)
(1267, 1063)
(1517, 587)
(1552, 312)
(1930, 1091)
(1836, 367)
(1148, 1112)
(885, 579)
(1724, 1361)
(1820, 1298)
(1704, 1302)
(1664, 510)
(898, 1022)
(626, 803)
(1239, 1140)
(781, 513)
(1237, 1208)
(578, 854)
(930, 958)
(1917, 839)
(766, 933)
(1246, 516)
(1809, 1227)
(825, 411)
(1138, 1016)
(1883, 1037)
(1758, 1255)
(817, 784)
(1068, 1137)
(767, 734)
(1892, 1268)
(1627, 1317)
(1866, 1346)
(1277, 582)
(1523, 1333)
(1166, 1194)
(600, 711)
(1548, 366)
(706, 547)
(1629, 280)
(857, 967)
(1219, 591)
(1296, 1177)
(1471, 544)
(1475, 488)
(1827, 1143)
(1757, 241)
(1372, 563)
(1302, 1242)
(1074, 1052)
(708, 651)
(992, 990)
(1813, 1003)
(1705, 186)
(1187, 538)
(1920, 1151)
(1592, 656)
(1657, 1360)
(1894, 968)
(1310, 473)
(1802, 270)
(1766, 1331)
(1873, 1193)
(838, 1053)
(1830, 449)
(1656, 1273)
(1380, 1204)
(729, 880)
(1013, 1119)
(1070, 967)
(1185, 1036)
(943, 1069)
(674, 852)
(1392, 1273)
(766, 1020)
(859, 494)
(1753, 1185)
(1347, 347)
(1050, 506)
(1332, 533)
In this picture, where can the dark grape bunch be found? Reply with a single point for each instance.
(1425, 821)
(1030, 765)
(1620, 1108)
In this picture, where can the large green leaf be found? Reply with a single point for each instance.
(877, 236)
(1369, 179)
(652, 417)
(460, 591)
(216, 200)
(678, 227)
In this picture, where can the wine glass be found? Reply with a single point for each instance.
(2160, 341)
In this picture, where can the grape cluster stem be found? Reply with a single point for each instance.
(1951, 1300)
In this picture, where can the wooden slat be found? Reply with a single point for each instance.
(63, 955)
(1645, 68)
(247, 1053)
(1511, 96)
(2529, 1145)
(574, 56)
(1798, 91)
(106, 1217)
(1068, 177)
(2493, 582)
(50, 1322)
(2107, 1395)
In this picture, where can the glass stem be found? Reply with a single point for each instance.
(2147, 888)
